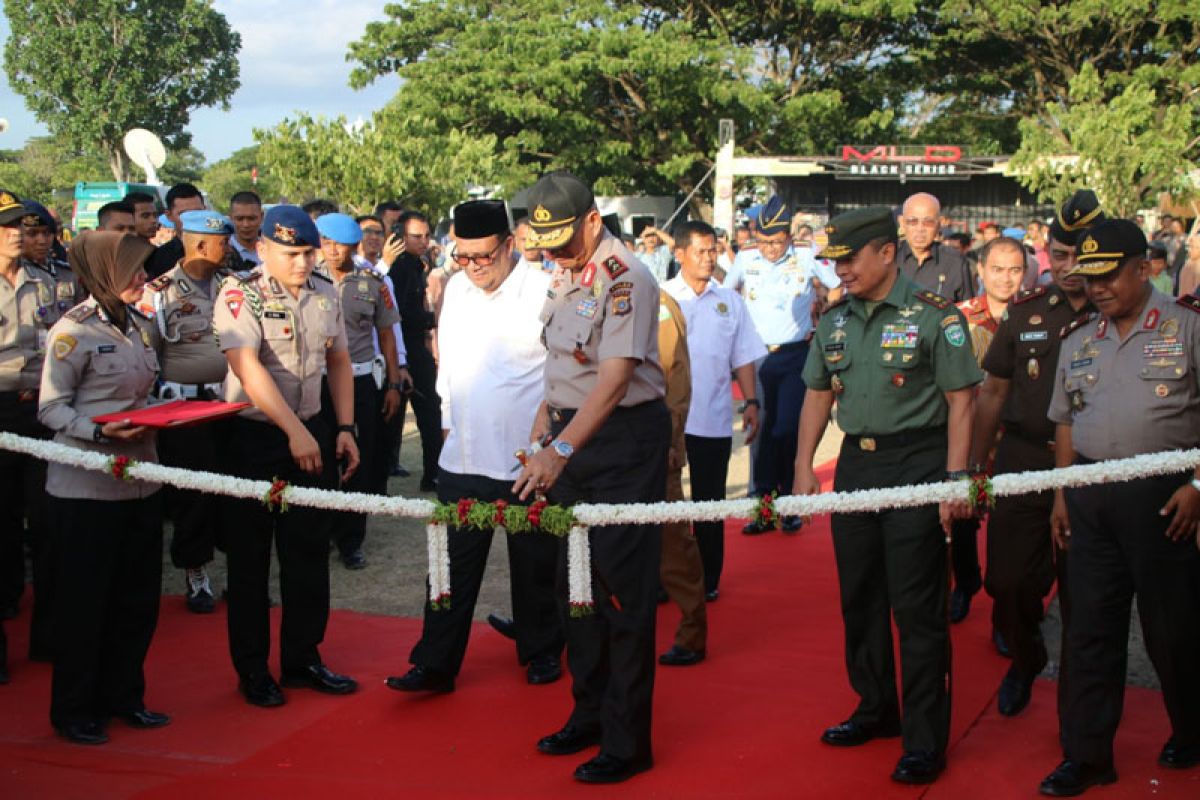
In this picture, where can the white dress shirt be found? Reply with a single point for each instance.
(720, 339)
(490, 371)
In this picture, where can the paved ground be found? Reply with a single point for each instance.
(394, 581)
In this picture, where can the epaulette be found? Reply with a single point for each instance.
(366, 272)
(1026, 295)
(142, 311)
(323, 277)
(932, 298)
(1077, 324)
(248, 277)
(1190, 301)
(44, 268)
(159, 283)
(81, 312)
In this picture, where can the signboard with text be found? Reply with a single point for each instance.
(902, 162)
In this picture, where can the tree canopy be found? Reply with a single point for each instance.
(91, 71)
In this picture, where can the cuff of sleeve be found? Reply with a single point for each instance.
(81, 428)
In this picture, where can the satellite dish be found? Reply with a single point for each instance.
(147, 151)
(3, 125)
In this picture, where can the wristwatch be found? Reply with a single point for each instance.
(350, 429)
(1196, 484)
(399, 387)
(98, 434)
(753, 401)
(957, 475)
(562, 448)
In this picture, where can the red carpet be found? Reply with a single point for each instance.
(743, 724)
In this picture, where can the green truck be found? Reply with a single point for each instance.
(89, 197)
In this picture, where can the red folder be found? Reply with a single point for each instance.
(176, 414)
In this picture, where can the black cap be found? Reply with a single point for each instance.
(613, 223)
(1105, 246)
(559, 202)
(1156, 249)
(11, 209)
(1074, 216)
(849, 232)
(37, 215)
(773, 217)
(479, 219)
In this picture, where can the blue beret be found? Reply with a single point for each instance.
(291, 226)
(773, 217)
(1014, 233)
(165, 222)
(206, 221)
(41, 216)
(341, 228)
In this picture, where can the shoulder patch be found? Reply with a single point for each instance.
(615, 267)
(932, 298)
(1077, 324)
(1190, 301)
(159, 283)
(248, 277)
(1026, 295)
(81, 312)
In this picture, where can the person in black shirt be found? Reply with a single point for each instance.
(941, 269)
(181, 197)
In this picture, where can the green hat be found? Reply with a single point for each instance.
(1106, 245)
(850, 231)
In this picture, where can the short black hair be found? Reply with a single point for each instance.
(134, 198)
(368, 218)
(387, 205)
(409, 216)
(521, 221)
(108, 209)
(319, 208)
(181, 191)
(684, 232)
(246, 199)
(1000, 244)
(960, 237)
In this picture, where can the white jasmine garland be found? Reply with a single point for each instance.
(579, 568)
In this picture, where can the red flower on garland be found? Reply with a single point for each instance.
(275, 499)
(982, 496)
(501, 506)
(766, 514)
(119, 467)
(464, 508)
(534, 515)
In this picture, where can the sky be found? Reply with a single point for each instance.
(293, 57)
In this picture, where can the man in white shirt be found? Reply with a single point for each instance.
(721, 340)
(490, 382)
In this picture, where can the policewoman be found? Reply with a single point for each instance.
(610, 433)
(107, 532)
(897, 360)
(180, 301)
(781, 286)
(1126, 384)
(280, 326)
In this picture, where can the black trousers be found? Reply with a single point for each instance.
(708, 460)
(23, 517)
(783, 397)
(531, 562)
(426, 404)
(301, 536)
(1118, 550)
(964, 555)
(108, 561)
(350, 530)
(893, 564)
(197, 518)
(1023, 563)
(611, 652)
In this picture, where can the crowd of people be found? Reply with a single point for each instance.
(607, 365)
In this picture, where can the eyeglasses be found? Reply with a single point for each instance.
(923, 222)
(479, 261)
(372, 231)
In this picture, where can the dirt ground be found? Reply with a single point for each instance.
(394, 581)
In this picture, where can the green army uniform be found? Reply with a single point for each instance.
(888, 365)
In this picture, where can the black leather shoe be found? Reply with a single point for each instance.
(421, 679)
(680, 657)
(1000, 644)
(502, 626)
(355, 560)
(960, 605)
(918, 767)
(757, 528)
(1179, 756)
(1015, 692)
(1071, 778)
(429, 484)
(543, 669)
(321, 678)
(82, 733)
(400, 472)
(610, 769)
(145, 718)
(10, 610)
(568, 740)
(712, 595)
(262, 691)
(792, 523)
(852, 734)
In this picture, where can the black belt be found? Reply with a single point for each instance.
(567, 414)
(871, 443)
(785, 347)
(1017, 432)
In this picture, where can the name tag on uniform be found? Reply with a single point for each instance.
(106, 348)
(835, 347)
(1034, 336)
(275, 314)
(900, 335)
(1083, 362)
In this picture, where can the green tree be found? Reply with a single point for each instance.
(225, 178)
(47, 170)
(91, 71)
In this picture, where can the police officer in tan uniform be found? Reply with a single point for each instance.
(181, 304)
(279, 327)
(29, 305)
(604, 409)
(1126, 384)
(107, 533)
(369, 312)
(37, 246)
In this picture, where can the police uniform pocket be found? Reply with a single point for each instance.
(277, 325)
(899, 358)
(110, 364)
(1167, 378)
